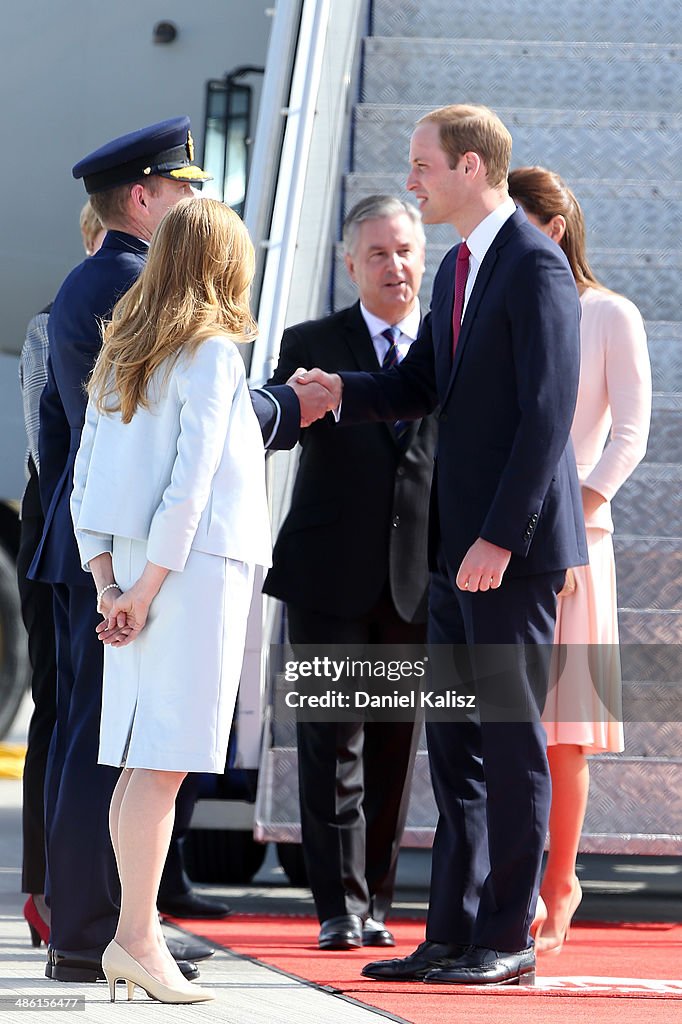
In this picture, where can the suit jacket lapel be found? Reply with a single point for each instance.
(480, 285)
(441, 311)
(358, 340)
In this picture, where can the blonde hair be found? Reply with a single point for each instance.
(471, 128)
(196, 283)
(90, 226)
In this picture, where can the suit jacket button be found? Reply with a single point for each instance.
(396, 520)
(400, 471)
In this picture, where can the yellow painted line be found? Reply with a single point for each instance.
(12, 757)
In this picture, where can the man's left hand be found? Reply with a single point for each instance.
(482, 567)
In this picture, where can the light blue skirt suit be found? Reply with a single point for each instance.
(182, 485)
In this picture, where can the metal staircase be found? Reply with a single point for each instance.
(592, 91)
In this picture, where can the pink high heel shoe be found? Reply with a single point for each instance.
(553, 943)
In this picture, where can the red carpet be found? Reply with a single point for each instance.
(606, 974)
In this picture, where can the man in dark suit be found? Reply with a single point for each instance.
(499, 353)
(132, 182)
(350, 562)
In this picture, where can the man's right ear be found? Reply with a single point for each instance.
(138, 195)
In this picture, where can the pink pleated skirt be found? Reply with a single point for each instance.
(583, 706)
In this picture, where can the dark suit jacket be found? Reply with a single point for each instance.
(504, 464)
(86, 297)
(359, 508)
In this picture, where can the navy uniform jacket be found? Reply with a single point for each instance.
(359, 508)
(505, 468)
(86, 297)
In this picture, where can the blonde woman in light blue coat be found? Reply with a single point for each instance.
(170, 514)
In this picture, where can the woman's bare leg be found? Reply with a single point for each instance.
(560, 888)
(144, 821)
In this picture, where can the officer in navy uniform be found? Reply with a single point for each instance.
(132, 181)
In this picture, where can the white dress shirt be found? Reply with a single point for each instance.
(480, 240)
(408, 326)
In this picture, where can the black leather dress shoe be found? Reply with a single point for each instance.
(191, 904)
(426, 957)
(86, 966)
(479, 966)
(50, 961)
(74, 965)
(375, 933)
(188, 949)
(344, 932)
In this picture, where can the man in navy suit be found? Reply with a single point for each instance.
(499, 353)
(132, 182)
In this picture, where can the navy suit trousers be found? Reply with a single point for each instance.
(83, 883)
(490, 777)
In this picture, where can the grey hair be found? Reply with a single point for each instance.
(374, 207)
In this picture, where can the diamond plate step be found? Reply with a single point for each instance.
(649, 572)
(665, 352)
(577, 144)
(628, 76)
(654, 704)
(618, 214)
(665, 437)
(645, 626)
(653, 739)
(621, 790)
(616, 20)
(647, 660)
(650, 502)
(620, 807)
(652, 280)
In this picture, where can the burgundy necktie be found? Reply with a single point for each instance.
(461, 274)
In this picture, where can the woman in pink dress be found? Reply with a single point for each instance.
(609, 434)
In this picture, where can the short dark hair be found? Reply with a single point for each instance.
(110, 205)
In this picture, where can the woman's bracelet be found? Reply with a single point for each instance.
(102, 592)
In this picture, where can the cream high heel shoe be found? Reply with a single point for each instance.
(119, 965)
(546, 942)
(539, 920)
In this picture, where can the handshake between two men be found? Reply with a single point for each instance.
(318, 393)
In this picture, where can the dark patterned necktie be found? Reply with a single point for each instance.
(461, 274)
(392, 358)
